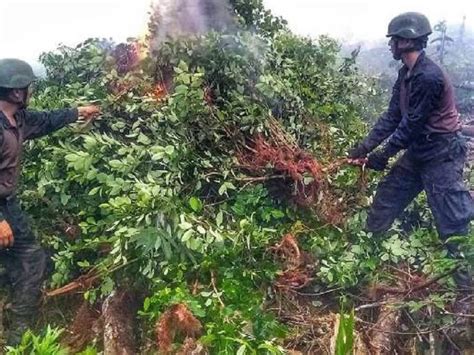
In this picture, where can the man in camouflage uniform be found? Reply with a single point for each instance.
(20, 253)
(423, 121)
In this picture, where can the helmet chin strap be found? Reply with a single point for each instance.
(21, 103)
(399, 51)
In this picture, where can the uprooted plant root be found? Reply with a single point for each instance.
(289, 161)
(177, 320)
(288, 252)
(298, 266)
(191, 347)
(85, 327)
(300, 173)
(314, 325)
(406, 285)
(83, 282)
(409, 284)
(392, 327)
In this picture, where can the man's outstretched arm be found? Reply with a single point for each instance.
(41, 123)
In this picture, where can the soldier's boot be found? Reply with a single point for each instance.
(17, 326)
(465, 298)
(25, 262)
(26, 290)
(462, 332)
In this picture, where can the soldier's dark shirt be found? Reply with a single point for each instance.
(29, 125)
(422, 102)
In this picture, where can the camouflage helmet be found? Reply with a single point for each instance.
(15, 74)
(409, 25)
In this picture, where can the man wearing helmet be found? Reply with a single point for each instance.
(423, 121)
(22, 256)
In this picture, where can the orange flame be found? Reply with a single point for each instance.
(160, 91)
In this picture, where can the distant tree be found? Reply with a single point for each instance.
(443, 39)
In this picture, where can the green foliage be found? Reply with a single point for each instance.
(156, 180)
(253, 16)
(345, 334)
(89, 351)
(466, 245)
(46, 344)
(224, 298)
(155, 193)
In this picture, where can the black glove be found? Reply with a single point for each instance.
(378, 160)
(358, 152)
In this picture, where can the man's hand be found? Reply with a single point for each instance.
(6, 235)
(88, 113)
(357, 162)
(378, 160)
(358, 152)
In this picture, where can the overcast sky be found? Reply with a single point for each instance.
(364, 20)
(28, 27)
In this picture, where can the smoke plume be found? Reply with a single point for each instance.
(181, 18)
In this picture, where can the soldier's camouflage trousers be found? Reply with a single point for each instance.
(434, 164)
(25, 263)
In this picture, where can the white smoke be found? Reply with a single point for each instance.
(178, 18)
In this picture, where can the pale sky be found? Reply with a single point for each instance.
(28, 27)
(364, 20)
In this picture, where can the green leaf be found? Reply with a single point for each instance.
(187, 235)
(242, 350)
(219, 218)
(169, 150)
(183, 66)
(277, 214)
(71, 157)
(116, 164)
(146, 304)
(195, 244)
(107, 286)
(222, 189)
(65, 198)
(146, 239)
(158, 156)
(181, 89)
(143, 139)
(94, 191)
(226, 186)
(185, 225)
(195, 204)
(345, 334)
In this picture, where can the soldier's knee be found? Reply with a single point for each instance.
(35, 260)
(450, 202)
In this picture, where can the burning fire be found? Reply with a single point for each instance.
(160, 91)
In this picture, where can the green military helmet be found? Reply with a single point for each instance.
(15, 74)
(409, 25)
